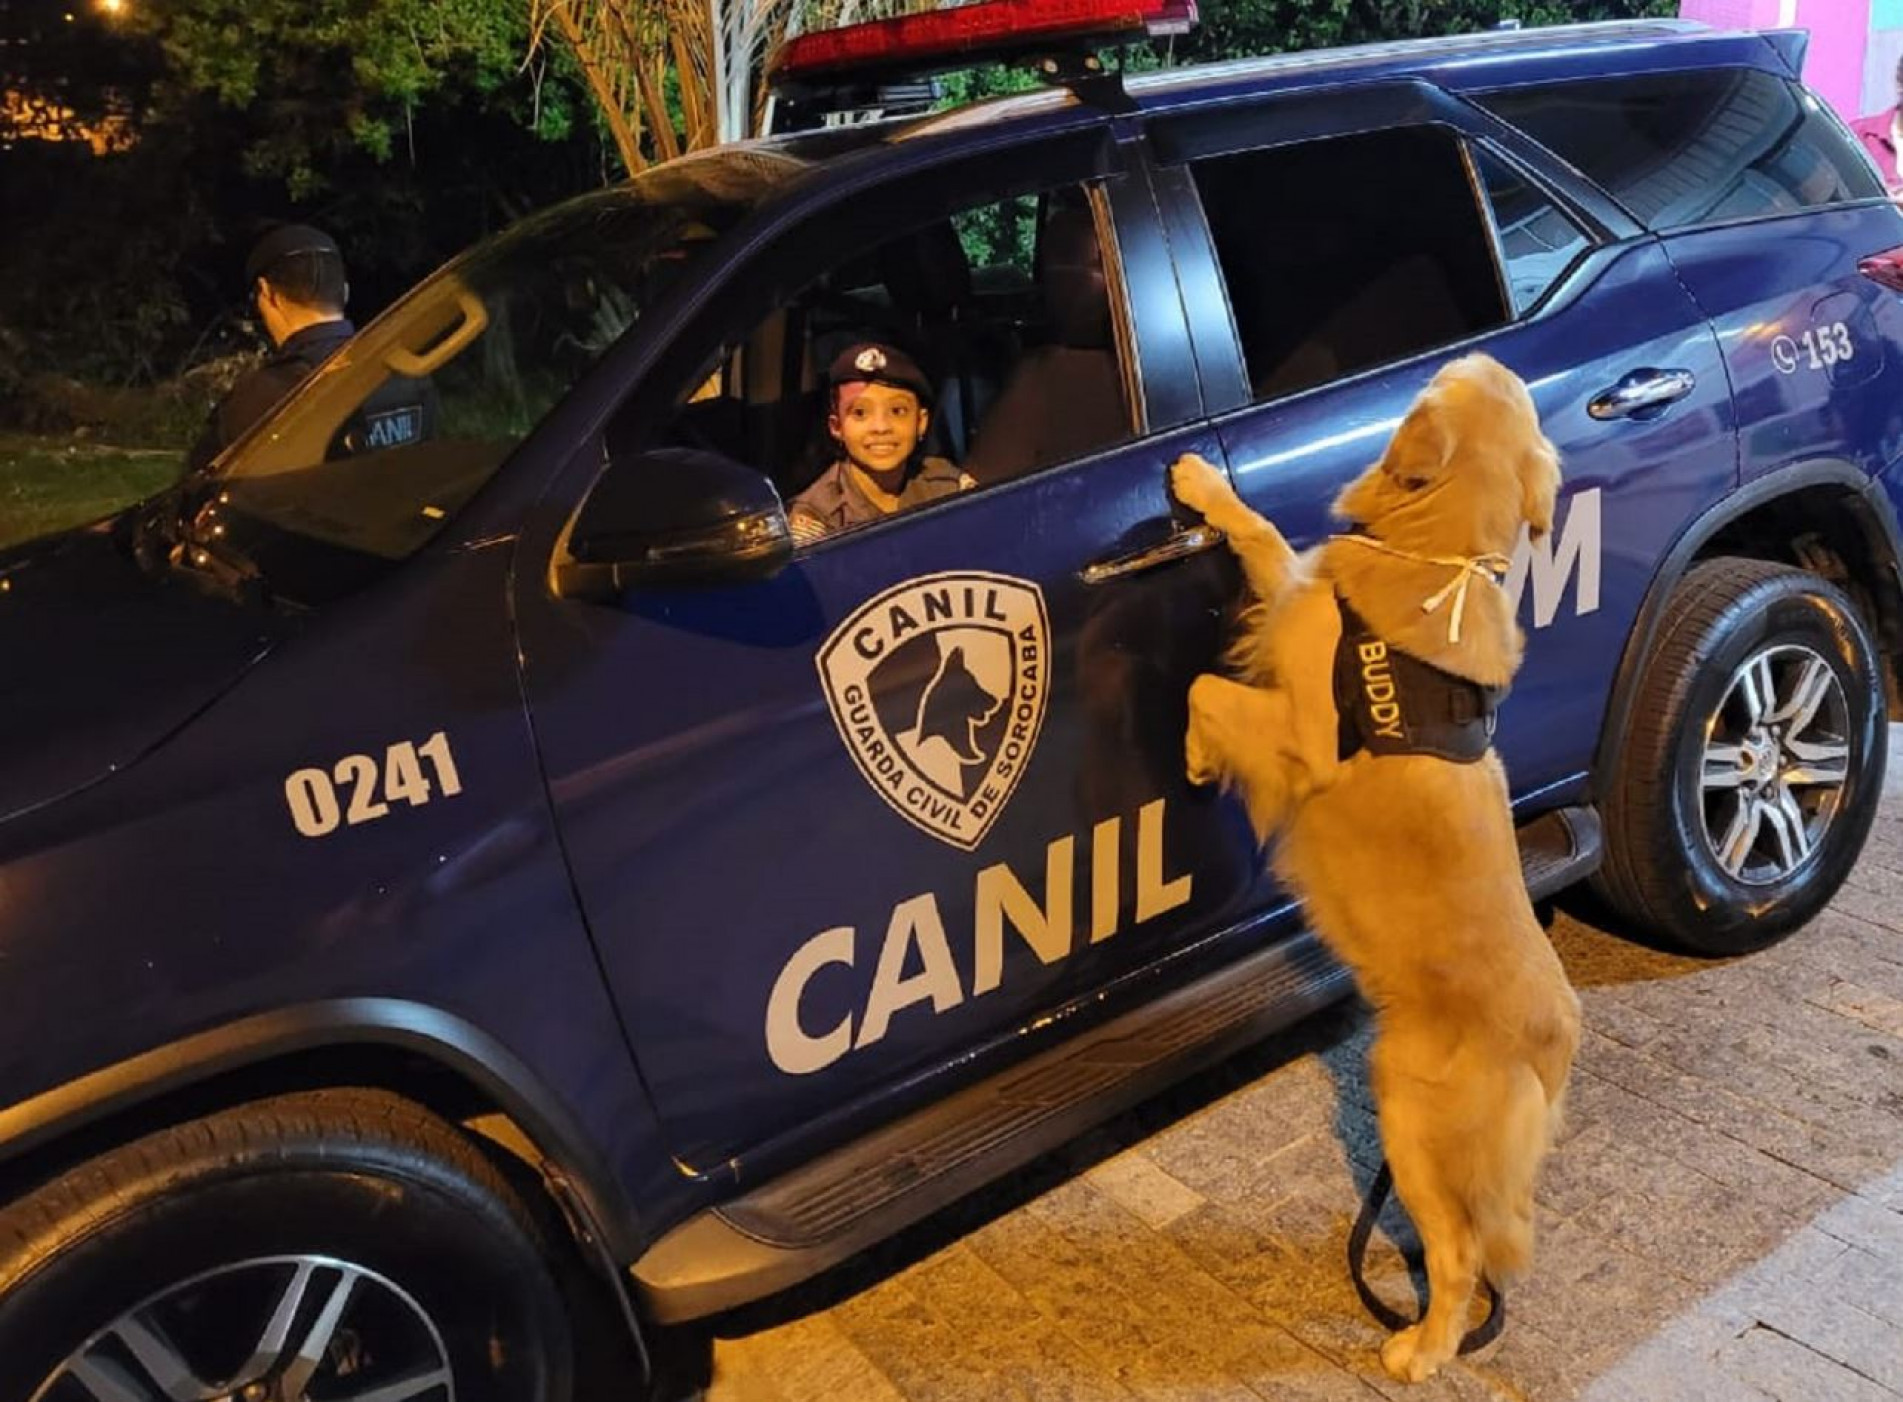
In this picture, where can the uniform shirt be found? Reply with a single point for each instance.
(835, 502)
(258, 391)
(399, 411)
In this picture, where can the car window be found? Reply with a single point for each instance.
(1707, 147)
(1538, 240)
(399, 429)
(1348, 253)
(1006, 306)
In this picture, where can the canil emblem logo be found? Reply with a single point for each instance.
(938, 687)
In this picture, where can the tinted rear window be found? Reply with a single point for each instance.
(1710, 147)
(1348, 253)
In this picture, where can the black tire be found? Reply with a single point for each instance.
(360, 1177)
(1662, 869)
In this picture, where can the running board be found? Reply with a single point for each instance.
(792, 1228)
(1559, 848)
(816, 1216)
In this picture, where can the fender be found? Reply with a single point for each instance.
(583, 1181)
(1868, 501)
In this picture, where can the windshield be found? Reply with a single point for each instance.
(398, 430)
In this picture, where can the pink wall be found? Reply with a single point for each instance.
(1840, 30)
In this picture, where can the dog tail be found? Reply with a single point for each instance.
(1501, 1205)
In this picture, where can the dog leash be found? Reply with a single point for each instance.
(1476, 1338)
(1468, 568)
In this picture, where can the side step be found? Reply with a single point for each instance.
(1559, 848)
(818, 1215)
(792, 1228)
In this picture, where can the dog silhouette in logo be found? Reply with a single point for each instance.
(944, 741)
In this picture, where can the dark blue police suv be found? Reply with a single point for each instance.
(473, 894)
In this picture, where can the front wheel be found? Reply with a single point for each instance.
(1753, 764)
(333, 1244)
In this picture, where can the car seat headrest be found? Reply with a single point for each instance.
(1070, 272)
(927, 274)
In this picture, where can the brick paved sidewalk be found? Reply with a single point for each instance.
(1723, 1220)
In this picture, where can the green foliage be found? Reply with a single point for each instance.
(315, 78)
(1001, 235)
(408, 128)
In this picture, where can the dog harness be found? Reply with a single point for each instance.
(1392, 703)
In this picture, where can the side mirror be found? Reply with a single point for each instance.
(674, 516)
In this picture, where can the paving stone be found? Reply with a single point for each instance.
(808, 1358)
(916, 1349)
(1866, 904)
(1134, 1181)
(1873, 1280)
(1680, 1364)
(994, 1323)
(1791, 1372)
(1624, 1024)
(1866, 1224)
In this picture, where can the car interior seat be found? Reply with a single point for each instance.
(929, 279)
(1064, 397)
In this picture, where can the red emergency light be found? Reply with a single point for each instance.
(987, 31)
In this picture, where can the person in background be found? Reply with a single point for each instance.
(297, 281)
(1895, 165)
(1882, 136)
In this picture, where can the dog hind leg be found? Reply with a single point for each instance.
(1505, 1173)
(1439, 1211)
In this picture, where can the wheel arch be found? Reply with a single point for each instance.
(1824, 515)
(426, 1054)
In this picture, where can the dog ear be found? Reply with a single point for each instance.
(1423, 446)
(1417, 456)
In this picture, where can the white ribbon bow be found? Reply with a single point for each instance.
(1490, 567)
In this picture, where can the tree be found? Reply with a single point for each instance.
(408, 128)
(312, 80)
(678, 75)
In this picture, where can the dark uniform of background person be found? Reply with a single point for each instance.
(299, 287)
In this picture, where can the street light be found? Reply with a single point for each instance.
(111, 8)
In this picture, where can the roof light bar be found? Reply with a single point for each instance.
(983, 32)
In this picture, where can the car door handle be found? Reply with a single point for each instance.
(1643, 394)
(1187, 541)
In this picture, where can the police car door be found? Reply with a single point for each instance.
(899, 807)
(1363, 246)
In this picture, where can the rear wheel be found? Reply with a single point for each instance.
(334, 1245)
(1753, 764)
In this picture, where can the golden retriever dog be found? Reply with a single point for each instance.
(1406, 862)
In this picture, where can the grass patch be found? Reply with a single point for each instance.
(50, 484)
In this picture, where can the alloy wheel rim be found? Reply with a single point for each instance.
(1775, 761)
(272, 1329)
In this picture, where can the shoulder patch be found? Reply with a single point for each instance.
(392, 428)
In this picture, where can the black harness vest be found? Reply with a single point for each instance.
(1392, 703)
